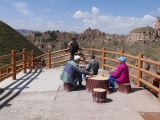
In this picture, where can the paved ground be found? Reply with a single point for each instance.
(40, 96)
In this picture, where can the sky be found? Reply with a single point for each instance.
(110, 16)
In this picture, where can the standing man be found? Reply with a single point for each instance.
(73, 47)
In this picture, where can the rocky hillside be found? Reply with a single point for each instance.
(11, 39)
(149, 46)
(98, 39)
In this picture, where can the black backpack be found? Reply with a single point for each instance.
(74, 46)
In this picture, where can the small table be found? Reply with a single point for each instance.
(97, 82)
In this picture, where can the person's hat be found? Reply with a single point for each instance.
(77, 57)
(122, 59)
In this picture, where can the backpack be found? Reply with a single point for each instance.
(74, 46)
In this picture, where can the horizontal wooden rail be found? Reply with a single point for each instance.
(130, 65)
(5, 66)
(149, 85)
(150, 61)
(59, 62)
(41, 56)
(112, 52)
(20, 61)
(5, 56)
(150, 73)
(6, 76)
(106, 58)
(96, 50)
(133, 76)
(19, 70)
(130, 56)
(109, 66)
(59, 51)
(60, 56)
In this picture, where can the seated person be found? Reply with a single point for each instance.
(121, 74)
(93, 66)
(72, 72)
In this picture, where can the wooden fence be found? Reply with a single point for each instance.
(56, 58)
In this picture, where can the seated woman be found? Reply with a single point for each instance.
(72, 73)
(120, 75)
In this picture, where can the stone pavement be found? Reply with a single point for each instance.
(25, 100)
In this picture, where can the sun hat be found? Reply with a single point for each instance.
(122, 59)
(77, 57)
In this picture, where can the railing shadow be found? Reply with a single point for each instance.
(136, 89)
(17, 89)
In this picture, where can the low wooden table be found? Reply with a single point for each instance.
(97, 82)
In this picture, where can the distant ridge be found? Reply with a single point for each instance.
(24, 32)
(11, 39)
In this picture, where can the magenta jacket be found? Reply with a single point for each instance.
(121, 74)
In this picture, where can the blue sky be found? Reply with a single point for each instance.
(111, 16)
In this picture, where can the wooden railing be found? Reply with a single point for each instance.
(138, 66)
(16, 63)
(56, 58)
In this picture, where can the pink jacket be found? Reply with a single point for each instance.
(121, 74)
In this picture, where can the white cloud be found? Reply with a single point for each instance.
(95, 10)
(81, 15)
(112, 24)
(48, 10)
(22, 7)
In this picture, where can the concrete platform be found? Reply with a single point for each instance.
(40, 96)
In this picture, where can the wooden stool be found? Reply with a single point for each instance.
(99, 95)
(68, 87)
(124, 88)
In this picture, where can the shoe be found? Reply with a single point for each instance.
(112, 90)
(80, 84)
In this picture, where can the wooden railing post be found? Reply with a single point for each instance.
(32, 59)
(24, 60)
(49, 59)
(13, 64)
(91, 50)
(159, 92)
(103, 56)
(139, 72)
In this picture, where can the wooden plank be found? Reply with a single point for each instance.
(149, 85)
(151, 61)
(109, 66)
(150, 73)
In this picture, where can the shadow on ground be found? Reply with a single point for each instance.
(15, 88)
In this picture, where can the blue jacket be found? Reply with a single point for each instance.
(72, 73)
